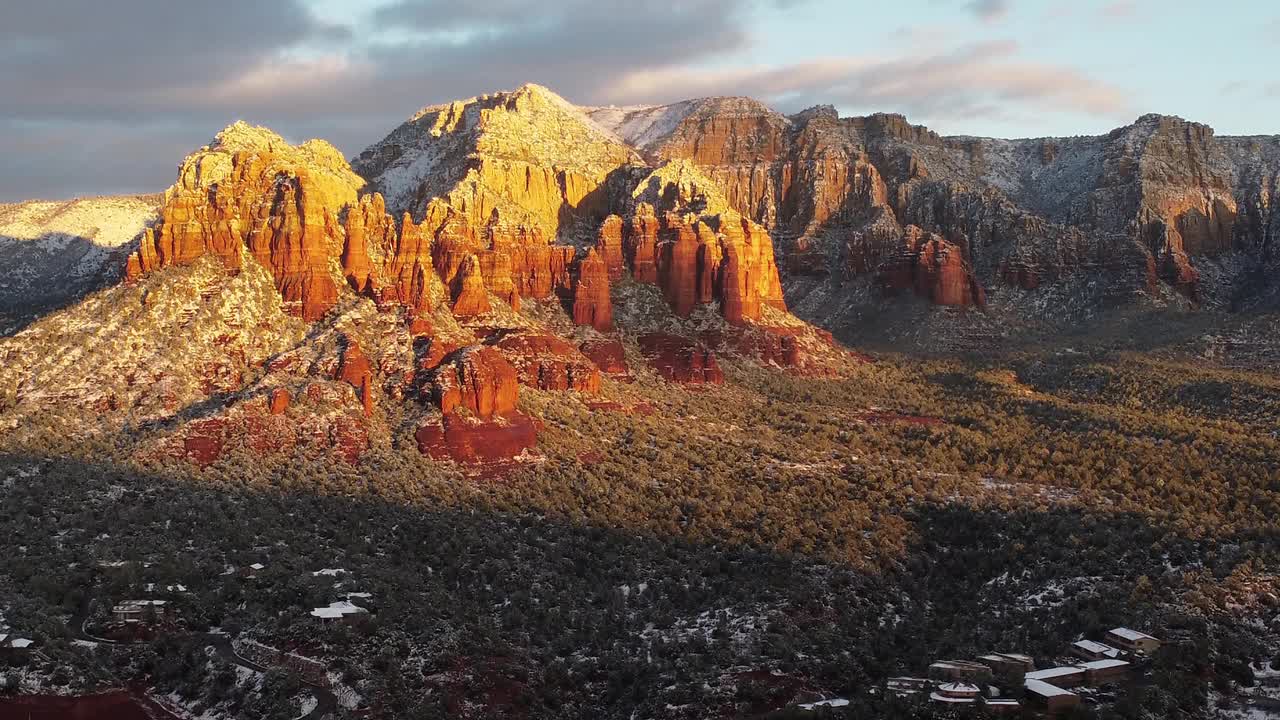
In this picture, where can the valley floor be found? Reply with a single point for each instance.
(735, 551)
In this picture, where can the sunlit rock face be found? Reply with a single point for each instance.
(1148, 207)
(250, 194)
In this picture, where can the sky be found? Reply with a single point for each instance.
(108, 97)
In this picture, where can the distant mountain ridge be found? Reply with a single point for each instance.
(1162, 203)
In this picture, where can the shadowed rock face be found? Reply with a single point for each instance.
(681, 360)
(591, 303)
(467, 440)
(932, 268)
(547, 362)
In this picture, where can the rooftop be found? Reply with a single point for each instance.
(1044, 689)
(1096, 647)
(337, 610)
(936, 697)
(1056, 672)
(1104, 664)
(1128, 634)
(959, 664)
(127, 604)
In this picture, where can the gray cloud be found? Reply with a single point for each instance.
(89, 82)
(107, 97)
(67, 57)
(989, 10)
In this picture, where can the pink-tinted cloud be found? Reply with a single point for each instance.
(1120, 9)
(968, 81)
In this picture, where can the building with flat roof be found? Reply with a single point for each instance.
(908, 686)
(12, 646)
(1008, 663)
(1104, 672)
(1049, 697)
(136, 611)
(1092, 650)
(1133, 640)
(959, 670)
(1002, 705)
(340, 611)
(1066, 676)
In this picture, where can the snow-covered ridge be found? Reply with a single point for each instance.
(642, 126)
(429, 155)
(104, 221)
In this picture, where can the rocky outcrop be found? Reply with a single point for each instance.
(932, 268)
(477, 390)
(355, 370)
(367, 224)
(251, 193)
(279, 401)
(469, 294)
(591, 303)
(608, 354)
(528, 156)
(470, 441)
(547, 362)
(609, 245)
(697, 250)
(1146, 205)
(479, 380)
(680, 359)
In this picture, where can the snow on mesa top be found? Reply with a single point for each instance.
(650, 127)
(427, 156)
(105, 221)
(642, 125)
(211, 164)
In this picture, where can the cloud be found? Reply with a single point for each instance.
(68, 57)
(975, 80)
(1271, 31)
(989, 11)
(113, 70)
(1120, 9)
(111, 95)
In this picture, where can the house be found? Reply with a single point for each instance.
(341, 611)
(907, 686)
(1133, 640)
(1008, 663)
(1068, 676)
(1002, 705)
(13, 647)
(136, 611)
(1050, 698)
(1105, 672)
(959, 670)
(956, 693)
(1091, 650)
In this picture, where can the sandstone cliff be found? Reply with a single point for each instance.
(1118, 217)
